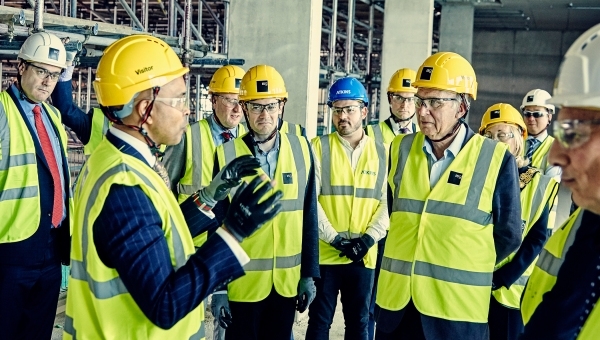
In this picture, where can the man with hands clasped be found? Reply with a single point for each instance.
(352, 209)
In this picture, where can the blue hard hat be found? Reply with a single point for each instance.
(347, 89)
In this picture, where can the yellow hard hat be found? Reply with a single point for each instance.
(502, 113)
(261, 82)
(447, 71)
(226, 79)
(133, 64)
(401, 81)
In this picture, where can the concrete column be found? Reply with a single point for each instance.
(407, 33)
(287, 36)
(456, 28)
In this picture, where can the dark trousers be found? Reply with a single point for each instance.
(355, 283)
(28, 298)
(271, 318)
(408, 324)
(505, 323)
(380, 249)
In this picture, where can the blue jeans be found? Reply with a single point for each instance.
(355, 283)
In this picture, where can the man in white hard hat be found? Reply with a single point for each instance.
(537, 113)
(34, 195)
(561, 298)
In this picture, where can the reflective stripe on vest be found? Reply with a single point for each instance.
(537, 194)
(291, 128)
(382, 133)
(96, 293)
(200, 153)
(349, 197)
(275, 249)
(540, 156)
(19, 190)
(424, 254)
(543, 277)
(100, 125)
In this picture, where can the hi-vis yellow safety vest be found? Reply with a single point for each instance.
(540, 191)
(19, 187)
(287, 127)
(349, 197)
(100, 125)
(98, 303)
(548, 264)
(440, 248)
(275, 250)
(540, 156)
(383, 133)
(199, 163)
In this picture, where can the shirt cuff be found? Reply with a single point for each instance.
(235, 247)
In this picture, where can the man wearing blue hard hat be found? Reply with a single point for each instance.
(350, 168)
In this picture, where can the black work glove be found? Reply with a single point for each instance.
(219, 307)
(306, 293)
(340, 243)
(245, 214)
(229, 177)
(358, 248)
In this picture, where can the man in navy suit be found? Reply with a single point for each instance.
(134, 270)
(34, 193)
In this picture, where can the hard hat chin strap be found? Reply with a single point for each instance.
(110, 114)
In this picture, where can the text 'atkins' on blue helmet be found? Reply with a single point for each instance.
(347, 89)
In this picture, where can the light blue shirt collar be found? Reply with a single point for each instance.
(216, 130)
(454, 147)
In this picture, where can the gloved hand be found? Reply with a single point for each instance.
(245, 214)
(219, 307)
(230, 176)
(340, 243)
(67, 74)
(306, 293)
(358, 248)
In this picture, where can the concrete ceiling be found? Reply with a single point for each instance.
(558, 15)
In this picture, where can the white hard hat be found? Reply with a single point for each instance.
(578, 81)
(538, 97)
(44, 48)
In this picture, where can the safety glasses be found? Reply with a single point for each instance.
(573, 133)
(534, 114)
(431, 103)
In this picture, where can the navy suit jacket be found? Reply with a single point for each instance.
(72, 115)
(32, 250)
(128, 237)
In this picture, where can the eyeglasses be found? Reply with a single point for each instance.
(400, 100)
(433, 103)
(228, 102)
(180, 103)
(534, 114)
(258, 108)
(501, 136)
(573, 133)
(349, 110)
(43, 73)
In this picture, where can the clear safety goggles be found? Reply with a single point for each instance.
(572, 133)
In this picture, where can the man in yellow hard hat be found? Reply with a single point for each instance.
(134, 270)
(561, 297)
(284, 257)
(451, 220)
(401, 97)
(35, 200)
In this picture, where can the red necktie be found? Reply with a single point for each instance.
(227, 135)
(57, 209)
